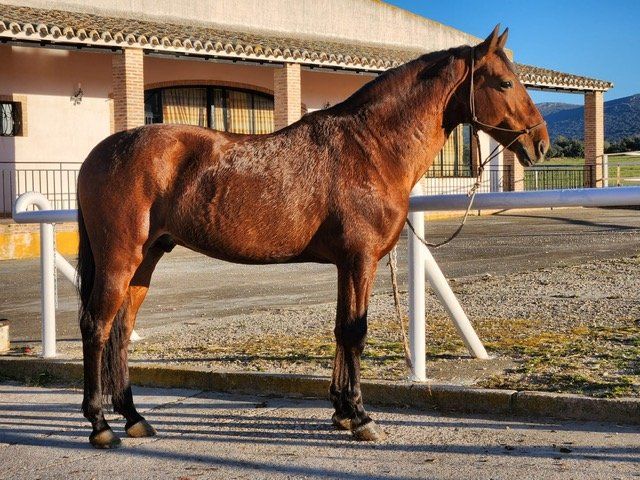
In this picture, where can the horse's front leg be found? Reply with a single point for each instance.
(355, 279)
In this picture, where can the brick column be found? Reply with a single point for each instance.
(127, 82)
(287, 98)
(593, 137)
(513, 172)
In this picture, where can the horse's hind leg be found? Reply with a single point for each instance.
(101, 339)
(136, 425)
(355, 280)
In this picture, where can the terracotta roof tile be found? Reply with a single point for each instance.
(544, 77)
(31, 24)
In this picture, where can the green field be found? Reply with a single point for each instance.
(557, 177)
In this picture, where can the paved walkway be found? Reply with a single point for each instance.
(207, 435)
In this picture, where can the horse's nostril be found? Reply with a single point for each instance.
(542, 147)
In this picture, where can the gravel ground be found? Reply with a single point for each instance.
(570, 329)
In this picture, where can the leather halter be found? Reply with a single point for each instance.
(482, 163)
(472, 107)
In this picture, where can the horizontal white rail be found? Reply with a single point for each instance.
(579, 197)
(43, 216)
(420, 256)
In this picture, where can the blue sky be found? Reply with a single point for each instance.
(599, 39)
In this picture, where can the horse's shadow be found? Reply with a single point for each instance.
(204, 427)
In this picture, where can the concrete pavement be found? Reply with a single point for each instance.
(210, 435)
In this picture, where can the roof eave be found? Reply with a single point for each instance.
(70, 38)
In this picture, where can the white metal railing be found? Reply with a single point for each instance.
(421, 262)
(50, 259)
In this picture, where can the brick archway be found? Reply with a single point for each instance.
(208, 83)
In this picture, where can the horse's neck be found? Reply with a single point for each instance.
(414, 119)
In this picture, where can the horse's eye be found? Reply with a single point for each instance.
(506, 84)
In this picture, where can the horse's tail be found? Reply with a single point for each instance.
(114, 362)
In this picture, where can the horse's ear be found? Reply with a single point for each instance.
(502, 40)
(489, 45)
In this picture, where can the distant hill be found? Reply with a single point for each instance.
(622, 118)
(547, 108)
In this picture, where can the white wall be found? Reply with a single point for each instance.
(369, 21)
(56, 129)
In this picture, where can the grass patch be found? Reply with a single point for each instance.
(602, 361)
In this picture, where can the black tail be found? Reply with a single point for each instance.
(114, 372)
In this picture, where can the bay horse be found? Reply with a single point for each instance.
(331, 188)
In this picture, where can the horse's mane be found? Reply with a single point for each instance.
(427, 65)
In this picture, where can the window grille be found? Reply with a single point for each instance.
(10, 119)
(454, 160)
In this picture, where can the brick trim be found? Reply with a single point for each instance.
(207, 83)
(594, 137)
(22, 100)
(112, 117)
(287, 98)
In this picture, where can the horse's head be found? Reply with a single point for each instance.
(503, 108)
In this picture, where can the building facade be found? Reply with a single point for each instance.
(76, 71)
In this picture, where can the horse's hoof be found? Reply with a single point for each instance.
(142, 428)
(369, 432)
(341, 423)
(104, 439)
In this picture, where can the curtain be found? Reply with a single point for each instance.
(263, 114)
(217, 110)
(239, 112)
(185, 105)
(230, 110)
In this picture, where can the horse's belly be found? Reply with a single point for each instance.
(262, 236)
(251, 217)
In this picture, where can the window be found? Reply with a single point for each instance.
(10, 119)
(454, 160)
(226, 109)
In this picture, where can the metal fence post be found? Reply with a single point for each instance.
(48, 293)
(450, 302)
(417, 336)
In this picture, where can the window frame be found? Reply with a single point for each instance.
(156, 95)
(16, 117)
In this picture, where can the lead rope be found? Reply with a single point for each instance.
(393, 254)
(393, 268)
